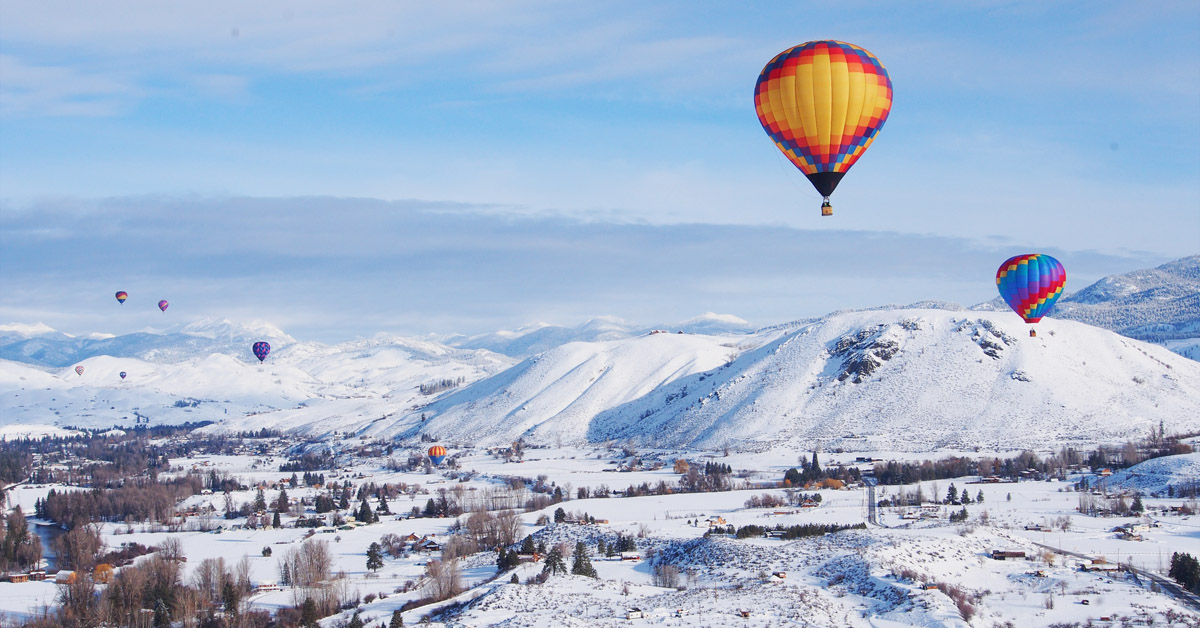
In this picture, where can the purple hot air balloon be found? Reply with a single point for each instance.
(79, 370)
(162, 305)
(261, 350)
(123, 374)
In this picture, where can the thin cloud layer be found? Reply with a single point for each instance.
(332, 269)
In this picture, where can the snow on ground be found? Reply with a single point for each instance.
(1157, 475)
(857, 578)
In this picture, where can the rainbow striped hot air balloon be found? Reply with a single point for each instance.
(162, 305)
(1030, 284)
(79, 370)
(437, 454)
(822, 103)
(121, 296)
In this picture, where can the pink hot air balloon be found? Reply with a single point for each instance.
(162, 305)
(79, 370)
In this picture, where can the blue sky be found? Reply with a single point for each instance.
(477, 165)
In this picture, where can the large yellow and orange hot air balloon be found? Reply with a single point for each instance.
(822, 103)
(437, 454)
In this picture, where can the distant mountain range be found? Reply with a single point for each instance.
(928, 376)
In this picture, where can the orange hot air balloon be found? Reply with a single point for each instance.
(822, 103)
(437, 454)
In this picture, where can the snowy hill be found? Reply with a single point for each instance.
(536, 339)
(206, 372)
(1156, 475)
(901, 379)
(43, 346)
(1159, 305)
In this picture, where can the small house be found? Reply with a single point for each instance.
(634, 556)
(1007, 554)
(634, 613)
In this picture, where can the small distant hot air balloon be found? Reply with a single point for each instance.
(437, 454)
(261, 350)
(1030, 284)
(121, 296)
(123, 374)
(162, 305)
(822, 103)
(79, 370)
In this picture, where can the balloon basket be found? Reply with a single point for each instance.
(826, 208)
(1033, 333)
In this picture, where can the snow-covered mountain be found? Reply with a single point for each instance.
(539, 338)
(1159, 305)
(900, 379)
(206, 372)
(41, 345)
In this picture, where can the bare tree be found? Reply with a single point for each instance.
(444, 579)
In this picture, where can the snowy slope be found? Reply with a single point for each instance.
(540, 338)
(1154, 476)
(553, 397)
(1159, 305)
(177, 380)
(899, 379)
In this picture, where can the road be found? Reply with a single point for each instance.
(1172, 588)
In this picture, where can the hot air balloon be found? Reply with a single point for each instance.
(79, 370)
(822, 103)
(437, 454)
(121, 296)
(162, 305)
(123, 374)
(1030, 284)
(261, 350)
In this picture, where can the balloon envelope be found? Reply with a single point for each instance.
(437, 454)
(261, 350)
(822, 103)
(79, 370)
(1030, 284)
(121, 296)
(162, 305)
(123, 374)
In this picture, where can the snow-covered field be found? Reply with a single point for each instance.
(873, 577)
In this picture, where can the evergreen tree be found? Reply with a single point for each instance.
(514, 580)
(502, 559)
(231, 596)
(355, 622)
(294, 481)
(344, 501)
(260, 502)
(582, 566)
(309, 614)
(275, 522)
(979, 497)
(383, 505)
(281, 503)
(560, 515)
(951, 494)
(162, 615)
(554, 563)
(364, 512)
(1137, 506)
(965, 497)
(600, 547)
(527, 546)
(815, 469)
(374, 557)
(398, 619)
